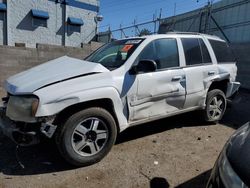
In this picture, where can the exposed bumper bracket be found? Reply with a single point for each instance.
(232, 88)
(48, 129)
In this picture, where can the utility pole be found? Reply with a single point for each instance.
(210, 4)
(174, 9)
(134, 27)
(159, 19)
(154, 20)
(121, 30)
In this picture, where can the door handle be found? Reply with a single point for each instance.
(210, 73)
(176, 78)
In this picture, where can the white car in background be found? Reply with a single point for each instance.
(84, 104)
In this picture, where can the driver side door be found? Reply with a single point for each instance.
(163, 91)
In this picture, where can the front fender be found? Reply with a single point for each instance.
(54, 107)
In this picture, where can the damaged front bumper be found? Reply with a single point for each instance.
(24, 134)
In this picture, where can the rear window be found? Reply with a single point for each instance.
(222, 51)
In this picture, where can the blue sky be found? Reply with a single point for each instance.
(124, 12)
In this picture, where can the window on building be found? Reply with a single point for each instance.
(2, 16)
(36, 22)
(74, 28)
(39, 18)
(3, 8)
(222, 51)
(192, 51)
(163, 51)
(74, 24)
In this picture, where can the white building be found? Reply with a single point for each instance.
(56, 22)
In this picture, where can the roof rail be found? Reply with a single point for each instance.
(191, 33)
(183, 32)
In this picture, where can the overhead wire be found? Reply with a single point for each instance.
(179, 7)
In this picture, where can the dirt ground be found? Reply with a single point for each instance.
(174, 152)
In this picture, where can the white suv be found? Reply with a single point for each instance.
(124, 83)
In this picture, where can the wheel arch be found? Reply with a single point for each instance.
(105, 103)
(219, 84)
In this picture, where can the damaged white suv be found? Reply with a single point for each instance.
(84, 104)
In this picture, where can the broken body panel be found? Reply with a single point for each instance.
(66, 81)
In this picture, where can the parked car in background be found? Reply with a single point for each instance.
(85, 103)
(232, 168)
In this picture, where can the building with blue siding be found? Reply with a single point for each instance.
(55, 22)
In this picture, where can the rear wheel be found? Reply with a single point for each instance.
(87, 136)
(215, 105)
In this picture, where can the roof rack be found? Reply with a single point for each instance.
(183, 32)
(191, 33)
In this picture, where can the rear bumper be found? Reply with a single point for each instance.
(232, 89)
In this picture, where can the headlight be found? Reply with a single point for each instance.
(22, 108)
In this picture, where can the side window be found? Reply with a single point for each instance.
(148, 52)
(163, 51)
(222, 51)
(192, 51)
(205, 54)
(167, 55)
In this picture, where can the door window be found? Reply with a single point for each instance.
(205, 54)
(167, 55)
(192, 51)
(163, 51)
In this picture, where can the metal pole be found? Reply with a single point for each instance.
(154, 20)
(121, 30)
(159, 19)
(221, 30)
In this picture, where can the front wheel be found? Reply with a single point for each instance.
(87, 136)
(216, 104)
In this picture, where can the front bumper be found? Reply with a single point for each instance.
(6, 125)
(17, 131)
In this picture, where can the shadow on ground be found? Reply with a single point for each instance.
(199, 181)
(40, 159)
(238, 112)
(45, 158)
(159, 182)
(191, 119)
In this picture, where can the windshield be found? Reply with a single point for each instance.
(115, 54)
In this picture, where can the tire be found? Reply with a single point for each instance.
(216, 104)
(87, 136)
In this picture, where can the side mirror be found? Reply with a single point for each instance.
(144, 66)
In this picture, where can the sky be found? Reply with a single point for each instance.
(126, 12)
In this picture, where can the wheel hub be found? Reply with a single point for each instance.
(91, 136)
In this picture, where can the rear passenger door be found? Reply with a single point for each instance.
(163, 91)
(199, 70)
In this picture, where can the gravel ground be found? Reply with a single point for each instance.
(174, 152)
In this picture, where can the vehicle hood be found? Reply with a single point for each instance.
(238, 153)
(54, 71)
